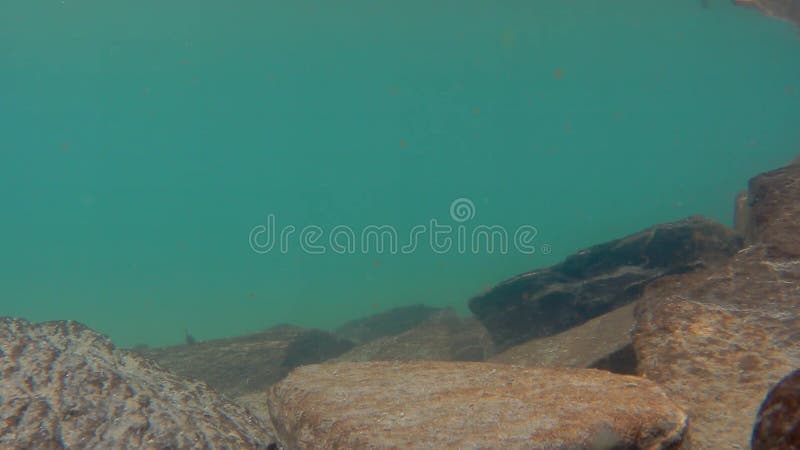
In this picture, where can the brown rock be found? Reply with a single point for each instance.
(458, 405)
(65, 386)
(774, 203)
(718, 339)
(250, 363)
(256, 403)
(597, 280)
(603, 342)
(388, 323)
(743, 218)
(443, 337)
(778, 423)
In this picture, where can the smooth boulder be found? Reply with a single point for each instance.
(460, 405)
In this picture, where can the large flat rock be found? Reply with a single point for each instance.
(66, 386)
(458, 405)
(603, 342)
(250, 363)
(597, 280)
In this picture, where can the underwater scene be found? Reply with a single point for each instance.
(365, 224)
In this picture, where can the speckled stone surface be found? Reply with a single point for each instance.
(63, 385)
(718, 339)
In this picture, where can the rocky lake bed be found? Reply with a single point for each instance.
(684, 335)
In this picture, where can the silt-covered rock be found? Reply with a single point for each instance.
(250, 363)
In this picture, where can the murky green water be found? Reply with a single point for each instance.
(142, 142)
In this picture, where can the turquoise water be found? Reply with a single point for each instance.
(141, 142)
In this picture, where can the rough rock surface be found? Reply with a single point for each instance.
(443, 337)
(250, 363)
(603, 342)
(256, 403)
(784, 9)
(718, 339)
(66, 386)
(388, 323)
(599, 279)
(778, 423)
(449, 405)
(773, 200)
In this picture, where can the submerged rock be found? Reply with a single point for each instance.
(442, 337)
(250, 363)
(603, 342)
(424, 405)
(773, 200)
(66, 386)
(599, 279)
(388, 323)
(778, 423)
(718, 339)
